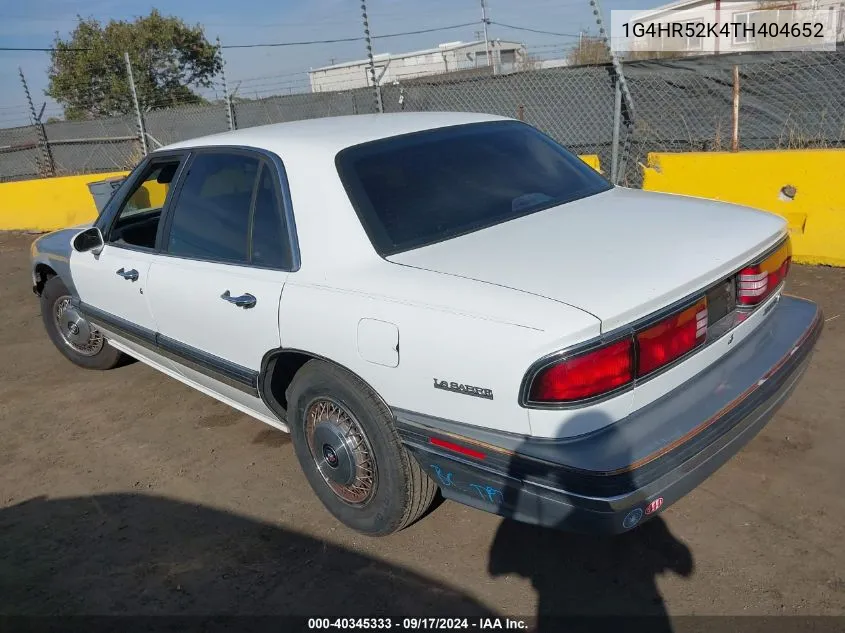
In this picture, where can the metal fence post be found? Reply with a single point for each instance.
(47, 166)
(142, 132)
(621, 85)
(614, 58)
(735, 111)
(376, 86)
(230, 110)
(617, 123)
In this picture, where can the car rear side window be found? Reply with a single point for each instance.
(269, 237)
(417, 189)
(211, 214)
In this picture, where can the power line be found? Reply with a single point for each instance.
(524, 28)
(322, 23)
(278, 44)
(352, 39)
(441, 28)
(41, 50)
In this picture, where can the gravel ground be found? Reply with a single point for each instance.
(125, 492)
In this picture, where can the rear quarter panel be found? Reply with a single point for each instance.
(475, 334)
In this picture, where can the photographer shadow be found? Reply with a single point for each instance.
(588, 581)
(138, 555)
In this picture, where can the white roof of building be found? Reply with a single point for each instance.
(678, 5)
(450, 46)
(332, 134)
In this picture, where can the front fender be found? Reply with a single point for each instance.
(53, 250)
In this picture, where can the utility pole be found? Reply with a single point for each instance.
(230, 110)
(718, 21)
(485, 21)
(376, 87)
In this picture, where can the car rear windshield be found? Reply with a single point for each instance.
(418, 189)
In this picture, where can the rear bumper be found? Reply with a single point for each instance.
(612, 480)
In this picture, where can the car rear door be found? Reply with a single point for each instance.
(215, 288)
(111, 284)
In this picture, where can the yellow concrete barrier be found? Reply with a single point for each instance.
(50, 203)
(593, 161)
(800, 185)
(803, 186)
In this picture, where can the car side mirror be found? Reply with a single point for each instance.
(89, 240)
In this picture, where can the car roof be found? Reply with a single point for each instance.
(333, 134)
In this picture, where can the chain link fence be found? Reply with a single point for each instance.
(764, 101)
(575, 106)
(303, 106)
(20, 153)
(711, 103)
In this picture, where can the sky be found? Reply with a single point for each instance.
(261, 71)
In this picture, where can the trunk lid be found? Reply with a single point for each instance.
(618, 255)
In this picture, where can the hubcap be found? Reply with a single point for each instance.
(341, 451)
(75, 331)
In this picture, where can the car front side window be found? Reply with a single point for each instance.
(137, 219)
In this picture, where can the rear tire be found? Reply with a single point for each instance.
(79, 342)
(351, 454)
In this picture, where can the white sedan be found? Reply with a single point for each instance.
(442, 301)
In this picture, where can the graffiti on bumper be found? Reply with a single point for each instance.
(485, 492)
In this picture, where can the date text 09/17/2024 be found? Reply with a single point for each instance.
(414, 624)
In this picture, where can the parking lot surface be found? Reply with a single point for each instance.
(127, 492)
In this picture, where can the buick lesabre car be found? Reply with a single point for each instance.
(442, 301)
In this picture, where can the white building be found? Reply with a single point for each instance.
(828, 12)
(446, 58)
(550, 63)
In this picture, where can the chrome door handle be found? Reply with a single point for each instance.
(131, 275)
(244, 301)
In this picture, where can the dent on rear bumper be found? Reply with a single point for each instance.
(607, 480)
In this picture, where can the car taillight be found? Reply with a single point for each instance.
(755, 283)
(604, 369)
(587, 375)
(607, 368)
(670, 339)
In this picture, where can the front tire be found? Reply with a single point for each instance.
(351, 454)
(79, 341)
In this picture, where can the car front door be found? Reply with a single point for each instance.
(216, 286)
(112, 283)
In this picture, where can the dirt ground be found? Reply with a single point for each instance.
(125, 492)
